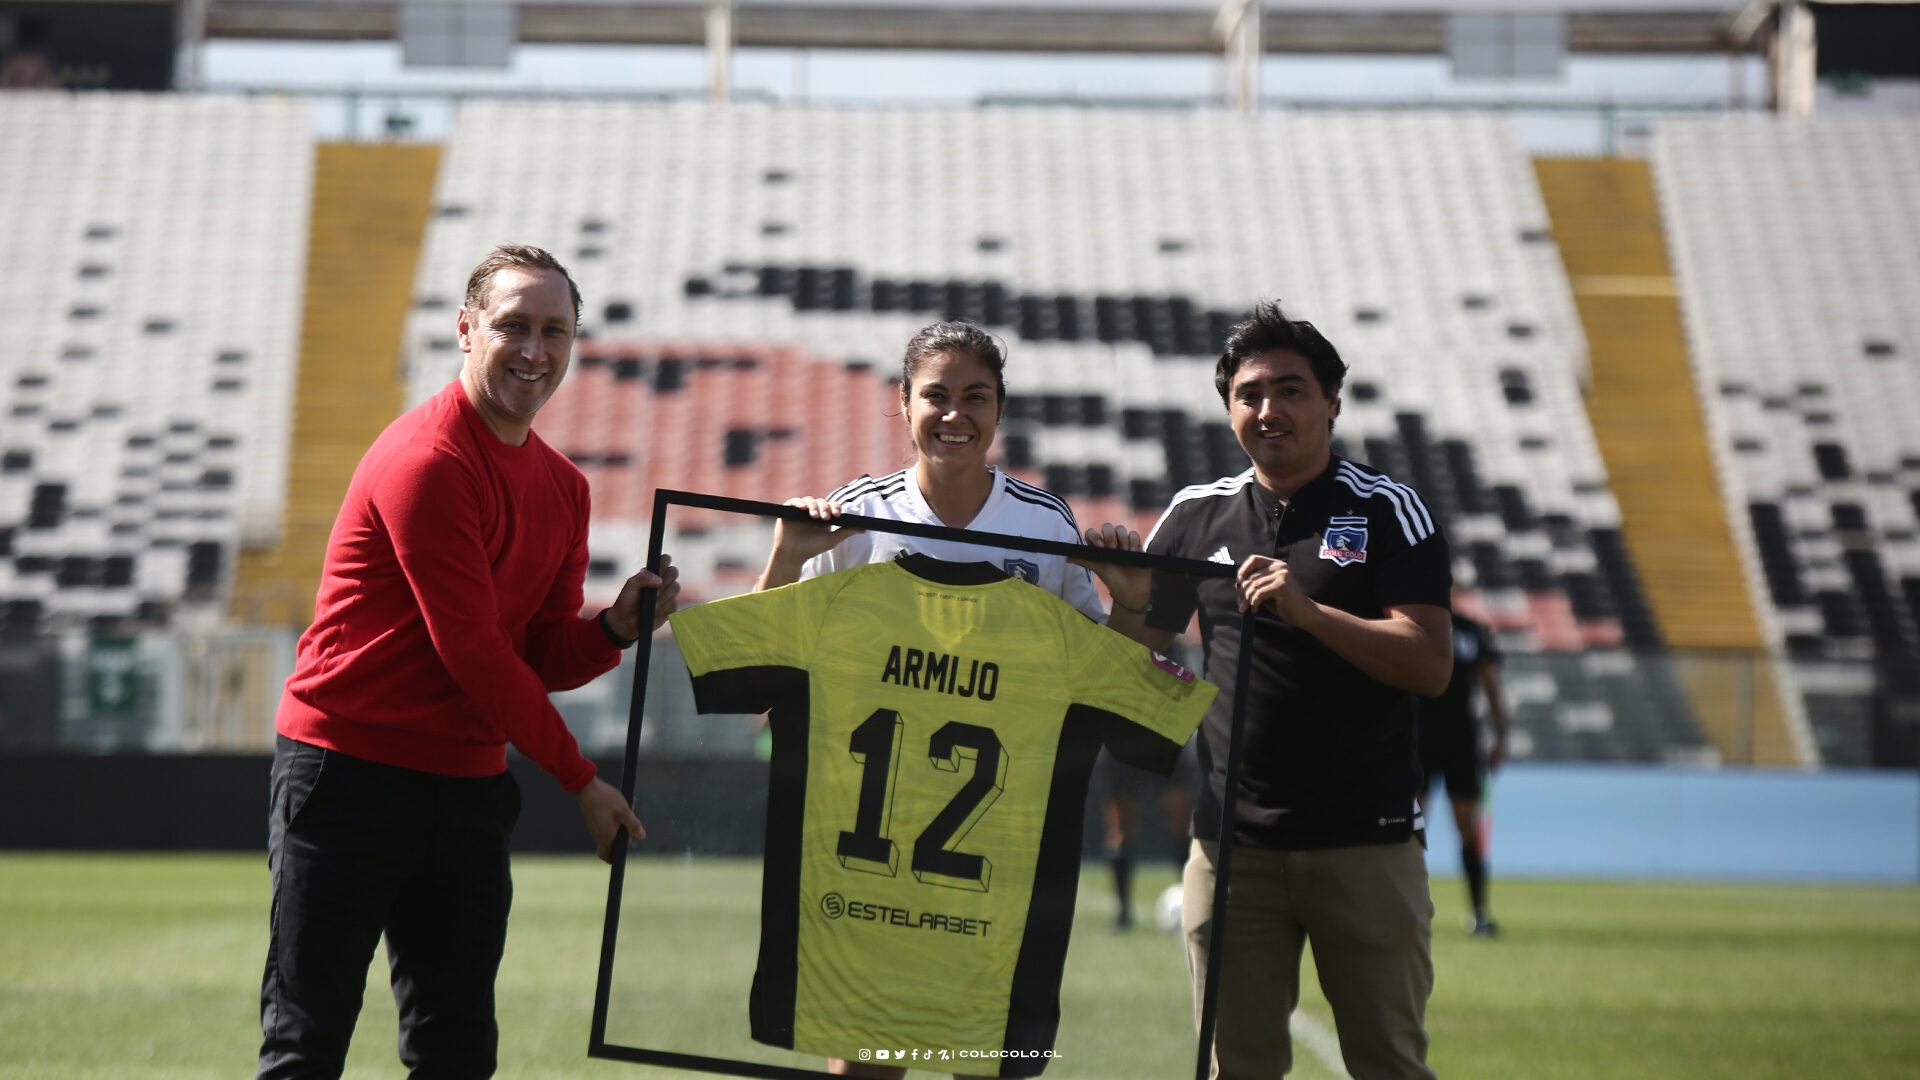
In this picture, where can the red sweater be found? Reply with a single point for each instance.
(449, 605)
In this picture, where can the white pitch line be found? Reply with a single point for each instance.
(1320, 1042)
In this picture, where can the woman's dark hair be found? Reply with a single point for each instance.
(959, 337)
(1269, 328)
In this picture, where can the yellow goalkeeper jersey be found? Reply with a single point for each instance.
(934, 725)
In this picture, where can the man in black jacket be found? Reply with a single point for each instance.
(1350, 580)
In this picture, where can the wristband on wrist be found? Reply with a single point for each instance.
(607, 629)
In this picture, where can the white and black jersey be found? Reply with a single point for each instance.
(1328, 757)
(1014, 507)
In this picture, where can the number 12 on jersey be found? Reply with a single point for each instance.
(876, 746)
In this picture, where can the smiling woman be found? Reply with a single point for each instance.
(952, 394)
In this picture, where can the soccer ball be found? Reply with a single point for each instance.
(1166, 910)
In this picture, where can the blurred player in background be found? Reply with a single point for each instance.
(1127, 790)
(1450, 748)
(448, 608)
(952, 394)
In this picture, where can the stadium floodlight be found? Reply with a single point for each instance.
(600, 1046)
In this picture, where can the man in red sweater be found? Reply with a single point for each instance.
(448, 608)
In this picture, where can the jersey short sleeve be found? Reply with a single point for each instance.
(856, 550)
(1156, 697)
(1076, 584)
(1174, 597)
(765, 629)
(1416, 573)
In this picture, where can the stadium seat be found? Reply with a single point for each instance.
(1796, 248)
(147, 429)
(816, 241)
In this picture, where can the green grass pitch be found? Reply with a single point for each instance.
(138, 966)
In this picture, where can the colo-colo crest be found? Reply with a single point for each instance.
(1345, 541)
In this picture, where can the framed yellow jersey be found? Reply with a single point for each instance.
(934, 727)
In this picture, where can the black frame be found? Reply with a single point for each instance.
(599, 1047)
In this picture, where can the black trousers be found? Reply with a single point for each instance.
(358, 849)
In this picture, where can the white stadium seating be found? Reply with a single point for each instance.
(723, 250)
(749, 271)
(155, 292)
(1796, 246)
(1418, 242)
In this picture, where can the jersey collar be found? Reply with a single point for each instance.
(1310, 494)
(948, 573)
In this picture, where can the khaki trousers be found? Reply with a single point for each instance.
(1369, 917)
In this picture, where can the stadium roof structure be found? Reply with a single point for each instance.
(1156, 26)
(1244, 30)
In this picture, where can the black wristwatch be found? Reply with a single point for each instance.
(607, 629)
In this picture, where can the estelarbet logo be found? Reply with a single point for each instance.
(833, 905)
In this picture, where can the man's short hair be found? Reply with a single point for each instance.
(514, 257)
(1269, 328)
